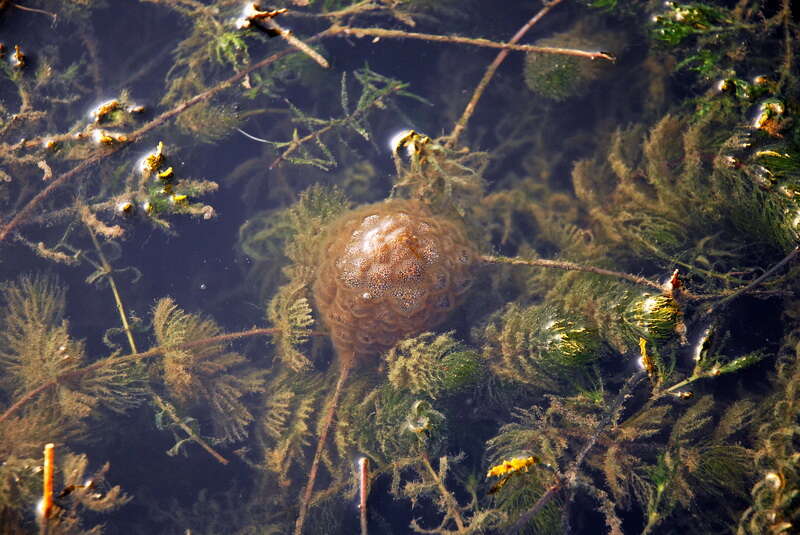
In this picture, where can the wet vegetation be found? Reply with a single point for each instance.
(563, 298)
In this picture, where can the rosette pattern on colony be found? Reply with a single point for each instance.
(388, 271)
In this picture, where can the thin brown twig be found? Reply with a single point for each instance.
(452, 504)
(456, 39)
(295, 42)
(490, 70)
(571, 266)
(34, 10)
(24, 213)
(325, 427)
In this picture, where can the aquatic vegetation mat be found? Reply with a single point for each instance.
(334, 266)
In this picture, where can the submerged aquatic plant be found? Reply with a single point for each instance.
(551, 404)
(562, 77)
(205, 375)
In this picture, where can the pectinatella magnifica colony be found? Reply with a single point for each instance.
(387, 271)
(391, 270)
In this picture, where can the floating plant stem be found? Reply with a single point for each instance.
(113, 285)
(453, 509)
(486, 43)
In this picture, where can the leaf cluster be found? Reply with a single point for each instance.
(431, 364)
(660, 197)
(538, 346)
(36, 349)
(210, 376)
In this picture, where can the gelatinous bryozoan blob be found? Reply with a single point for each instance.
(391, 270)
(387, 271)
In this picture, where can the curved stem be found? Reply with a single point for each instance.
(768, 273)
(692, 268)
(305, 500)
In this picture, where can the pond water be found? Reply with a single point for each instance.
(399, 266)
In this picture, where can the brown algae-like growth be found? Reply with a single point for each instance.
(388, 271)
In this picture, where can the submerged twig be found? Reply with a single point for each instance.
(266, 19)
(453, 508)
(571, 266)
(473, 41)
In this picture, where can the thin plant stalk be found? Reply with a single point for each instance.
(472, 41)
(452, 505)
(305, 499)
(571, 266)
(160, 403)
